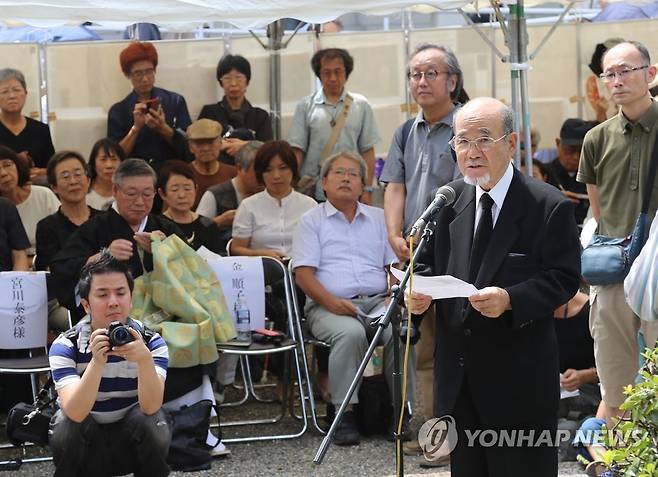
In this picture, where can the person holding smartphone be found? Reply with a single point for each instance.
(148, 123)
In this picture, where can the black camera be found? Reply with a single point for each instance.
(119, 334)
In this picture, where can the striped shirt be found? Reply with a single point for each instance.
(117, 392)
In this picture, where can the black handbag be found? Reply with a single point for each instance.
(189, 425)
(31, 422)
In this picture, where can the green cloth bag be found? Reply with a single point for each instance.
(182, 300)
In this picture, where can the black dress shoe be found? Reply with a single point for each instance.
(346, 433)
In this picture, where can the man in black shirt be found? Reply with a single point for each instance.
(562, 170)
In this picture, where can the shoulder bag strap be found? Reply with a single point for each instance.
(335, 131)
(653, 166)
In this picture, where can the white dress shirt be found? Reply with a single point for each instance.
(497, 194)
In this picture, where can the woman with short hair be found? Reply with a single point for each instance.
(264, 223)
(29, 138)
(105, 157)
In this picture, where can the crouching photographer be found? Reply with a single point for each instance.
(109, 373)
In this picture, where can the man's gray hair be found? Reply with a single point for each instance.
(7, 74)
(246, 154)
(353, 156)
(133, 168)
(451, 62)
(508, 120)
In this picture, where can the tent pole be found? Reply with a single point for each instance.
(512, 39)
(275, 35)
(523, 82)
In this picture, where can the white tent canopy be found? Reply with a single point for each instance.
(246, 14)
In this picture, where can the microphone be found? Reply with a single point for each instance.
(444, 196)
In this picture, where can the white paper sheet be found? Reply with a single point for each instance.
(441, 286)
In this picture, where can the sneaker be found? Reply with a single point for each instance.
(219, 450)
(412, 448)
(346, 433)
(440, 462)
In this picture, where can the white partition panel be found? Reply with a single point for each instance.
(25, 58)
(85, 79)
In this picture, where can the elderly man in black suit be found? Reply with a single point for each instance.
(496, 365)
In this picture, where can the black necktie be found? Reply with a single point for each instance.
(482, 236)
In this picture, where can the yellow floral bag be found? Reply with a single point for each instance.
(182, 300)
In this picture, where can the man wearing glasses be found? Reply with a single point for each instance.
(332, 120)
(614, 165)
(420, 161)
(496, 363)
(341, 260)
(124, 230)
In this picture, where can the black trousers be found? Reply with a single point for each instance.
(137, 443)
(482, 452)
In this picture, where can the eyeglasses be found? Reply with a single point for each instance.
(8, 91)
(430, 75)
(609, 76)
(68, 175)
(483, 143)
(139, 74)
(351, 173)
(233, 78)
(132, 194)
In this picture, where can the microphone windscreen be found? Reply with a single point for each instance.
(447, 192)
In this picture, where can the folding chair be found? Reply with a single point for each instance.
(308, 339)
(274, 272)
(24, 326)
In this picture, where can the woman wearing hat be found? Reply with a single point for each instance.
(144, 123)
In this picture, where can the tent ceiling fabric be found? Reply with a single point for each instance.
(245, 14)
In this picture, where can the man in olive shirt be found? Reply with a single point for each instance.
(614, 165)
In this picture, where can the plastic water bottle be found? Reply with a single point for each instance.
(242, 318)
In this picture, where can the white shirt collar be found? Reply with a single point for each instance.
(331, 210)
(499, 191)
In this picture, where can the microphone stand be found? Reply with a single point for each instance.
(390, 316)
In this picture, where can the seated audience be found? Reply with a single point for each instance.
(264, 223)
(576, 347)
(220, 202)
(13, 239)
(177, 188)
(104, 159)
(110, 420)
(67, 175)
(32, 201)
(29, 138)
(144, 123)
(205, 143)
(124, 230)
(234, 112)
(562, 170)
(341, 257)
(68, 178)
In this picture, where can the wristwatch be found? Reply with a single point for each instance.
(369, 189)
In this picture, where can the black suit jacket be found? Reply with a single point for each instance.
(510, 364)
